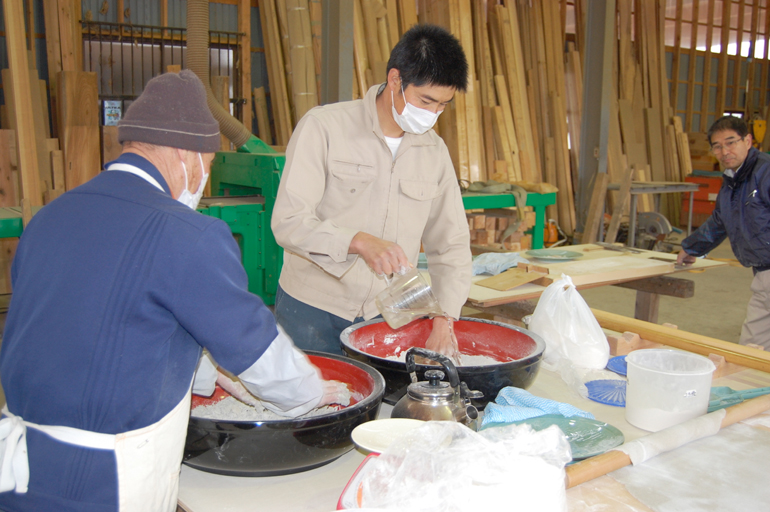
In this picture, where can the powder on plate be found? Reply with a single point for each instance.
(232, 409)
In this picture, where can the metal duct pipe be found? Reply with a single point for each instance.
(198, 63)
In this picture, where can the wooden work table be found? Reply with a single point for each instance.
(319, 489)
(647, 272)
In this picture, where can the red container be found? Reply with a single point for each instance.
(708, 191)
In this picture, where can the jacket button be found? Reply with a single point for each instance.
(352, 191)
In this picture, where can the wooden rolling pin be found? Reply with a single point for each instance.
(600, 465)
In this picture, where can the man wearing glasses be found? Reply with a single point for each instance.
(742, 214)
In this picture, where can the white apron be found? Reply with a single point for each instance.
(147, 459)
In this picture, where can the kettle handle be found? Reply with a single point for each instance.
(411, 367)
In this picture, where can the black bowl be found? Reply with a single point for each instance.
(282, 447)
(518, 350)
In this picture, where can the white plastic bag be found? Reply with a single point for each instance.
(569, 328)
(443, 466)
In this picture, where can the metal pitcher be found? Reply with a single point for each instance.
(436, 399)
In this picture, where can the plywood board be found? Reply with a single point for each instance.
(594, 268)
(81, 154)
(609, 269)
(512, 278)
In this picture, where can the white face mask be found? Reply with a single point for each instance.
(186, 197)
(413, 119)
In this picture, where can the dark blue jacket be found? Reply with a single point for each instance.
(116, 286)
(742, 213)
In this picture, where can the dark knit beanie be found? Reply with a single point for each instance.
(172, 111)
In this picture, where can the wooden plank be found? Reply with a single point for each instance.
(488, 136)
(513, 54)
(275, 71)
(550, 173)
(626, 63)
(40, 121)
(57, 169)
(654, 144)
(565, 201)
(7, 198)
(316, 24)
(724, 38)
(515, 172)
(764, 73)
(607, 270)
(22, 102)
(646, 307)
(263, 121)
(698, 344)
(623, 196)
(512, 278)
(407, 13)
(738, 85)
(676, 51)
(391, 7)
(662, 285)
(220, 88)
(36, 119)
(750, 106)
(82, 156)
(111, 148)
(303, 80)
(244, 42)
(595, 216)
(46, 114)
(501, 141)
(704, 107)
(483, 57)
(78, 99)
(645, 203)
(360, 54)
(67, 22)
(368, 10)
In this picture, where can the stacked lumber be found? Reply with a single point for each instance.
(700, 152)
(78, 121)
(521, 116)
(8, 197)
(487, 228)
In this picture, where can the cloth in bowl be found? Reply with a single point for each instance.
(515, 404)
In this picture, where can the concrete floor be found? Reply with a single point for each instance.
(717, 309)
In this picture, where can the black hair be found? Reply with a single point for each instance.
(733, 123)
(430, 55)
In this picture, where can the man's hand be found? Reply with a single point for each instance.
(684, 259)
(236, 389)
(335, 392)
(382, 256)
(442, 339)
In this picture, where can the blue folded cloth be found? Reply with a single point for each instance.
(496, 262)
(515, 404)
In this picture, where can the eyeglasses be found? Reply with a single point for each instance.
(728, 145)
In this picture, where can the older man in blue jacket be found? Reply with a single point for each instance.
(742, 214)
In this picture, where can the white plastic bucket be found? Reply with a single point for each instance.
(666, 387)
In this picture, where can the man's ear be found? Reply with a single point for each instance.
(394, 80)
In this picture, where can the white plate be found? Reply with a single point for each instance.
(377, 435)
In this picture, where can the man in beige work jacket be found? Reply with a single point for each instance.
(366, 182)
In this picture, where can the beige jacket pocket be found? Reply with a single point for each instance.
(415, 204)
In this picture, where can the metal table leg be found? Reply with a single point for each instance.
(632, 222)
(689, 214)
